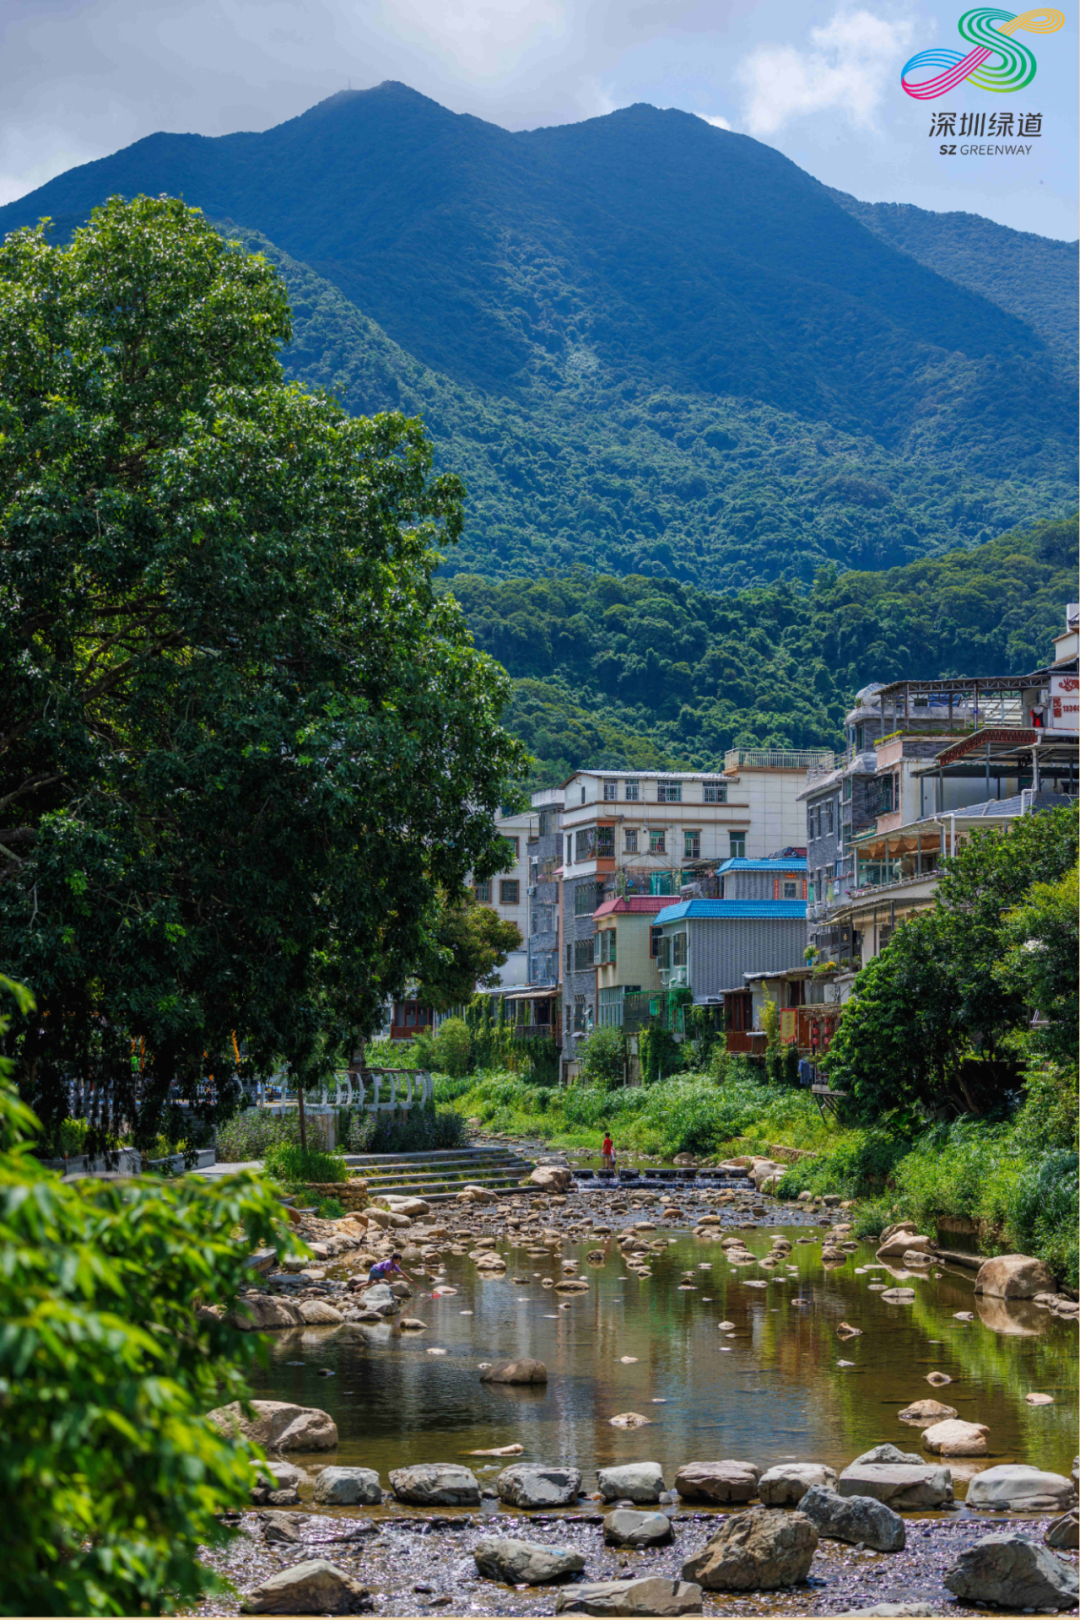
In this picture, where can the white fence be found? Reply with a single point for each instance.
(365, 1088)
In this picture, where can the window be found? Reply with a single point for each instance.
(716, 793)
(791, 890)
(669, 792)
(656, 841)
(737, 846)
(509, 892)
(656, 935)
(829, 814)
(606, 941)
(579, 1015)
(543, 919)
(547, 869)
(583, 793)
(587, 896)
(605, 843)
(482, 891)
(691, 846)
(661, 883)
(611, 790)
(547, 823)
(631, 841)
(663, 955)
(678, 950)
(584, 954)
(630, 790)
(585, 844)
(543, 972)
(569, 957)
(847, 787)
(512, 846)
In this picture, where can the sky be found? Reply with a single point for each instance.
(818, 80)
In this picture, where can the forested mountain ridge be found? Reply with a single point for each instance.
(652, 674)
(1016, 270)
(715, 491)
(649, 345)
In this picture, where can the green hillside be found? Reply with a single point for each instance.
(649, 673)
(635, 480)
(649, 345)
(1020, 272)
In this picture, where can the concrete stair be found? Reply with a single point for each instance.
(440, 1176)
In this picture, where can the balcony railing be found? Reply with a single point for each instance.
(779, 759)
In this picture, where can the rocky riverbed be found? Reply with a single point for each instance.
(687, 1313)
(417, 1565)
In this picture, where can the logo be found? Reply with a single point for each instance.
(1015, 64)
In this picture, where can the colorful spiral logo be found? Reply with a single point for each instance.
(990, 32)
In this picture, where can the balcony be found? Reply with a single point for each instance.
(779, 759)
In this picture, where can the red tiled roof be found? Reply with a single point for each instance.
(636, 902)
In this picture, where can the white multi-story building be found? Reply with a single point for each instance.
(507, 893)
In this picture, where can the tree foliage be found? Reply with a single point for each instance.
(647, 673)
(110, 1474)
(936, 996)
(245, 745)
(469, 944)
(1043, 944)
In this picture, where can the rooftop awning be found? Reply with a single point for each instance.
(531, 995)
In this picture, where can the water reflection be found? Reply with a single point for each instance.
(780, 1383)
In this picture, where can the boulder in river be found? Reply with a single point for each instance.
(552, 1178)
(955, 1438)
(726, 1481)
(257, 1313)
(278, 1425)
(348, 1487)
(629, 1420)
(317, 1313)
(652, 1595)
(380, 1297)
(759, 1550)
(1013, 1572)
(1013, 1276)
(1064, 1533)
(529, 1563)
(314, 1587)
(1022, 1488)
(520, 1370)
(903, 1243)
(436, 1485)
(853, 1518)
(639, 1482)
(535, 1485)
(625, 1527)
(899, 1485)
(927, 1411)
(785, 1484)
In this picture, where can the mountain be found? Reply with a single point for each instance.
(1016, 270)
(649, 345)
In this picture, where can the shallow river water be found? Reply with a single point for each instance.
(773, 1386)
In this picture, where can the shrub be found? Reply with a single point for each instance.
(860, 1165)
(412, 1130)
(330, 1209)
(603, 1058)
(451, 1049)
(289, 1162)
(110, 1475)
(250, 1135)
(1044, 1217)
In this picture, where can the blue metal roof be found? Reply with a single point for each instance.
(740, 863)
(721, 910)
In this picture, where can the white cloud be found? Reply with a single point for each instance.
(853, 58)
(717, 123)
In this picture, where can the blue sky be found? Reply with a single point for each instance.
(819, 81)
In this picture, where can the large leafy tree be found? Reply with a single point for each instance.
(469, 945)
(244, 748)
(949, 985)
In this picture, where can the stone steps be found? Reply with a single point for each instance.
(440, 1176)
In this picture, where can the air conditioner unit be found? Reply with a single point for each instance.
(531, 891)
